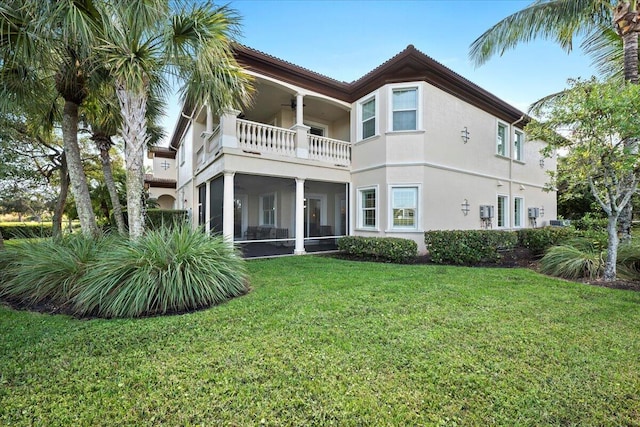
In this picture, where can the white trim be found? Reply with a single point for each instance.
(359, 217)
(506, 210)
(244, 212)
(419, 105)
(390, 226)
(376, 117)
(445, 168)
(261, 209)
(505, 141)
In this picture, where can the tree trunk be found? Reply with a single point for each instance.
(58, 210)
(612, 249)
(111, 186)
(78, 180)
(1, 241)
(133, 107)
(630, 48)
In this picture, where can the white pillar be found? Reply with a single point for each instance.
(207, 207)
(299, 248)
(209, 120)
(299, 109)
(228, 207)
(228, 129)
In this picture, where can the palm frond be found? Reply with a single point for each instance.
(604, 46)
(557, 20)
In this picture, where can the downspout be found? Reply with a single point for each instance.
(512, 141)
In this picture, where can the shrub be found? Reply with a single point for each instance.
(629, 260)
(590, 222)
(538, 240)
(47, 269)
(389, 249)
(467, 247)
(25, 231)
(167, 270)
(578, 259)
(157, 218)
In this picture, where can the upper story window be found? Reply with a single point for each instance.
(367, 200)
(404, 109)
(182, 153)
(518, 142)
(501, 140)
(368, 118)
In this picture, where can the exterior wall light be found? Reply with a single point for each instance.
(465, 207)
(466, 136)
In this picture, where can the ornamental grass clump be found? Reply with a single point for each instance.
(39, 270)
(578, 259)
(166, 270)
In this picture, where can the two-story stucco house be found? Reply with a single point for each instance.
(411, 146)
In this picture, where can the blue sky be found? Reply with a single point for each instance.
(346, 39)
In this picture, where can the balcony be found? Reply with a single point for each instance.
(259, 138)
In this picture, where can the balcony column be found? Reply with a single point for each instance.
(207, 207)
(209, 120)
(299, 248)
(302, 131)
(228, 207)
(228, 133)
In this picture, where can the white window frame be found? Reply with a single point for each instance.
(418, 189)
(518, 149)
(322, 126)
(275, 209)
(360, 224)
(505, 139)
(518, 220)
(505, 210)
(360, 116)
(405, 86)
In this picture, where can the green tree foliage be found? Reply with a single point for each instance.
(598, 120)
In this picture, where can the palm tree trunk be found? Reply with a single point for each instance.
(79, 187)
(62, 197)
(105, 159)
(133, 107)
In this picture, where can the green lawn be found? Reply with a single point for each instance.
(327, 342)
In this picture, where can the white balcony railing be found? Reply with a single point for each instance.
(263, 138)
(329, 150)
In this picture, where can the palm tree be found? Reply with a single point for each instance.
(562, 21)
(145, 43)
(48, 44)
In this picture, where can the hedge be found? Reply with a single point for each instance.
(156, 218)
(389, 249)
(25, 231)
(466, 247)
(538, 240)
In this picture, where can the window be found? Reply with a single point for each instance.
(518, 142)
(268, 209)
(368, 208)
(501, 140)
(182, 153)
(405, 109)
(404, 207)
(503, 215)
(368, 114)
(518, 204)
